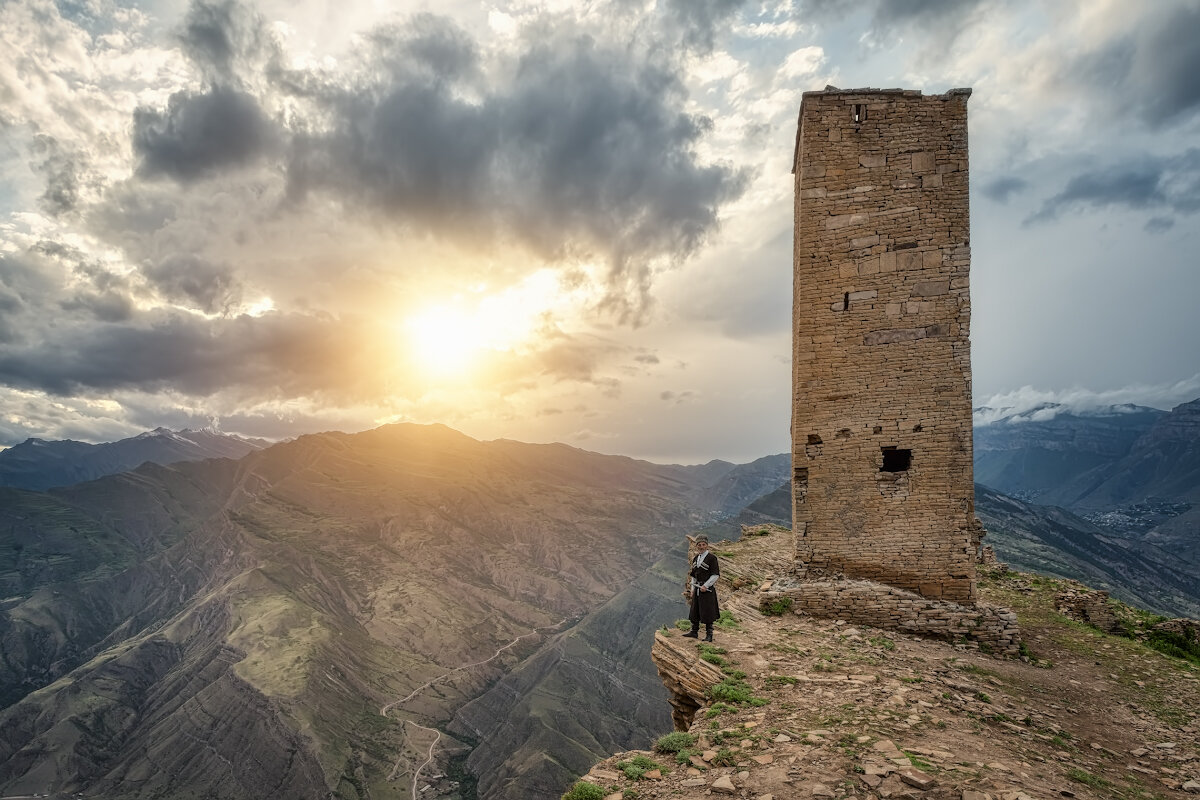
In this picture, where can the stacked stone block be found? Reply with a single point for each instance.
(881, 428)
(869, 603)
(1088, 605)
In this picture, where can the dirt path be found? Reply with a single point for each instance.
(438, 679)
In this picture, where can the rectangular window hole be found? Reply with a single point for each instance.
(877, 429)
(814, 438)
(896, 460)
(860, 114)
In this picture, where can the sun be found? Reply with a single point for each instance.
(457, 337)
(446, 340)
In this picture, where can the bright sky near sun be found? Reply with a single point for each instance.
(554, 221)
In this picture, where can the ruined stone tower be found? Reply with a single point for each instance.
(881, 413)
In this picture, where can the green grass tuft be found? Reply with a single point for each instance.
(727, 622)
(674, 742)
(583, 790)
(778, 607)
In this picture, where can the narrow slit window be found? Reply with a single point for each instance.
(860, 113)
(896, 460)
(846, 302)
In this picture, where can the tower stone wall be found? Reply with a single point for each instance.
(881, 425)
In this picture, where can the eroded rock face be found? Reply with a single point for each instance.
(686, 677)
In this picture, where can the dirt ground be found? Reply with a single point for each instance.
(829, 709)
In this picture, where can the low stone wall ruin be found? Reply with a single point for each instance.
(1087, 605)
(865, 602)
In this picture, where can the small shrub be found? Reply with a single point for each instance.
(983, 697)
(778, 607)
(674, 742)
(583, 790)
(1175, 645)
(684, 756)
(637, 767)
(724, 758)
(705, 647)
(683, 624)
(713, 658)
(716, 709)
(736, 691)
(727, 621)
(882, 641)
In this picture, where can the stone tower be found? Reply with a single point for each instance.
(881, 409)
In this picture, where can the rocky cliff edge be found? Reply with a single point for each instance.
(795, 707)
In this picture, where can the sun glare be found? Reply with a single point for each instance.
(446, 340)
(452, 339)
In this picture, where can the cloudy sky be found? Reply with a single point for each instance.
(554, 221)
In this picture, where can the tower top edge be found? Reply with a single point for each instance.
(833, 91)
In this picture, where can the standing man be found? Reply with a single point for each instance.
(702, 585)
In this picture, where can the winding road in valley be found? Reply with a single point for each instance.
(444, 676)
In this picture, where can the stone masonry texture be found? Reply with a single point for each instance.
(881, 416)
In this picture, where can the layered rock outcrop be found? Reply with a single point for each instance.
(686, 677)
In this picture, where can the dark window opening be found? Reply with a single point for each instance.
(918, 428)
(846, 302)
(860, 113)
(814, 438)
(896, 460)
(877, 429)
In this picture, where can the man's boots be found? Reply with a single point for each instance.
(707, 633)
(693, 634)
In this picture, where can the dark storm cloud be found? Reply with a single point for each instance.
(580, 148)
(1152, 69)
(223, 38)
(1151, 183)
(284, 354)
(1159, 224)
(195, 281)
(700, 21)
(199, 134)
(1001, 189)
(104, 306)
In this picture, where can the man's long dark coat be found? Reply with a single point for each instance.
(704, 604)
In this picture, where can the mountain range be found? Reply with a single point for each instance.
(1133, 472)
(39, 464)
(309, 619)
(234, 628)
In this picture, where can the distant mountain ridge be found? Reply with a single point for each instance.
(1038, 450)
(169, 622)
(38, 464)
(1132, 471)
